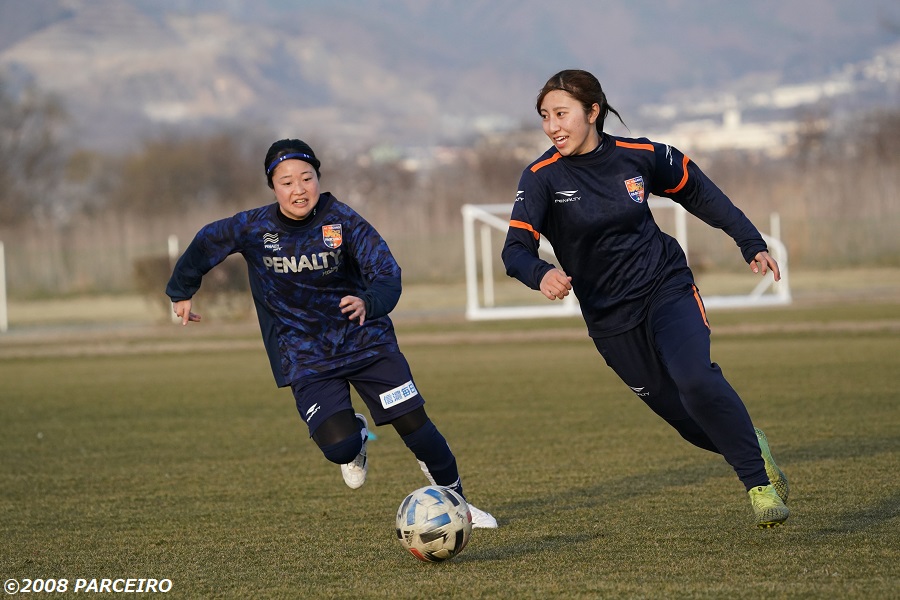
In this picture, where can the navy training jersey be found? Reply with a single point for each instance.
(593, 210)
(298, 275)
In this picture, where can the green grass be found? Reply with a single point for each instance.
(192, 466)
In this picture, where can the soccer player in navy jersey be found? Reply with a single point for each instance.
(323, 282)
(587, 195)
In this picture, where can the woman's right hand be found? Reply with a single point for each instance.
(182, 308)
(556, 284)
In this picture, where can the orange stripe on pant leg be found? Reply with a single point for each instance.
(700, 305)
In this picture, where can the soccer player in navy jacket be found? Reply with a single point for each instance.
(323, 282)
(587, 195)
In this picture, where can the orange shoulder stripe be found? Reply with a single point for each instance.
(544, 163)
(526, 227)
(633, 146)
(684, 177)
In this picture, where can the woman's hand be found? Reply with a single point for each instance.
(182, 308)
(355, 307)
(763, 262)
(556, 284)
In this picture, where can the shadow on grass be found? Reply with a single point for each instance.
(868, 517)
(543, 544)
(655, 482)
(645, 484)
(838, 448)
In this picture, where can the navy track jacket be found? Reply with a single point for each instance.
(298, 275)
(592, 209)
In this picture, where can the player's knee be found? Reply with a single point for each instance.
(697, 381)
(691, 431)
(410, 422)
(344, 451)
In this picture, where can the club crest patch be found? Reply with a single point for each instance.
(635, 187)
(332, 236)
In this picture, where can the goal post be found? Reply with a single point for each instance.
(482, 221)
(4, 315)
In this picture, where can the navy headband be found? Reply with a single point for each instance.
(280, 159)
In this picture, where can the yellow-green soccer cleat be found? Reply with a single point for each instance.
(768, 506)
(776, 476)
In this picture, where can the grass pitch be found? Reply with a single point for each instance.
(184, 462)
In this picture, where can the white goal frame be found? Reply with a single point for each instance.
(4, 314)
(480, 300)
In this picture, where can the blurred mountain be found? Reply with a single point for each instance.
(358, 73)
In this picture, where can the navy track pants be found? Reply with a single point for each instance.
(666, 362)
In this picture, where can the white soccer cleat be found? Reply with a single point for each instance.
(481, 519)
(355, 471)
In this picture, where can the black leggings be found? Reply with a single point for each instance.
(343, 424)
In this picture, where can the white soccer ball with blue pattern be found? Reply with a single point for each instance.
(434, 523)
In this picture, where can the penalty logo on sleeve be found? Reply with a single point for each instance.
(399, 394)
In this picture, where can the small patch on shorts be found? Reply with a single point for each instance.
(399, 394)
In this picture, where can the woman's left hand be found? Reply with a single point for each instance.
(355, 307)
(762, 262)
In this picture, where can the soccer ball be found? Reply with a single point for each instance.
(434, 523)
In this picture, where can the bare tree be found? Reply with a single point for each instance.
(30, 152)
(172, 172)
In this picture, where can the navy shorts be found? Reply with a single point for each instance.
(384, 382)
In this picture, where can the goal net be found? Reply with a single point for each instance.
(490, 294)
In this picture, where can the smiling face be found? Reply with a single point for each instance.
(569, 127)
(296, 188)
